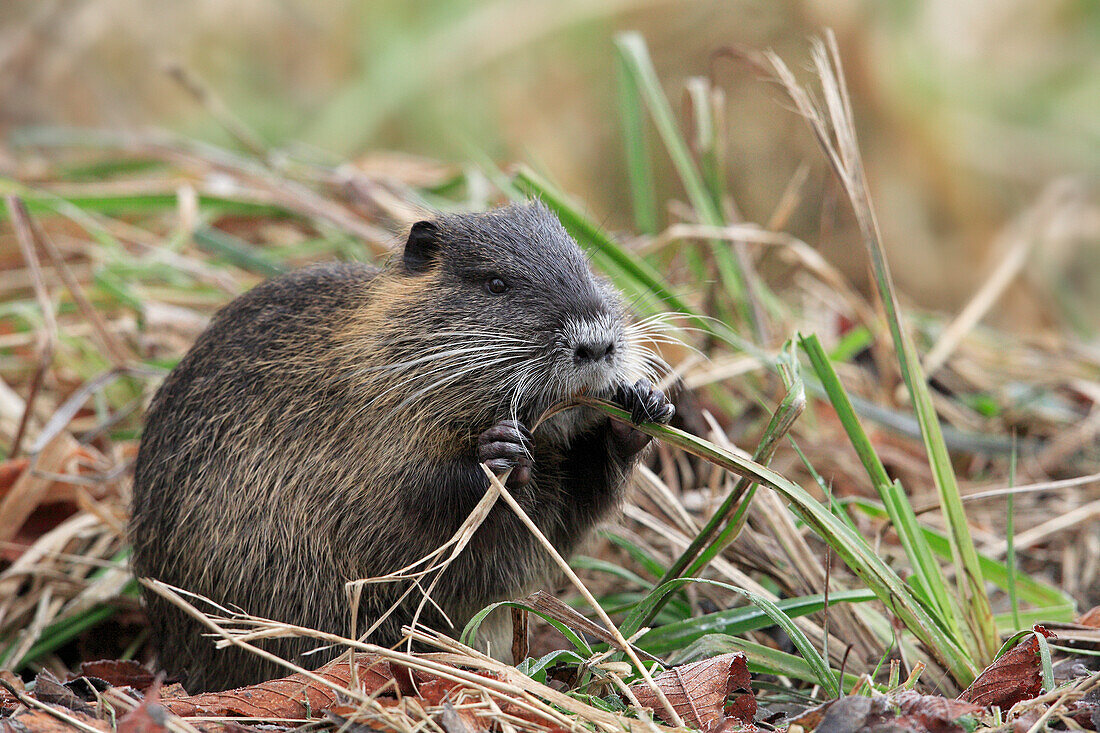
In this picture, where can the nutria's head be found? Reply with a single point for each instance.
(506, 315)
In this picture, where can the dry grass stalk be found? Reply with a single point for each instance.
(45, 583)
(512, 687)
(436, 562)
(592, 602)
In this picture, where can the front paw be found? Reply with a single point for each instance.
(644, 402)
(507, 445)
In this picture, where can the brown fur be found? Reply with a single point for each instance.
(286, 455)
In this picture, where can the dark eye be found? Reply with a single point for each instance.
(495, 285)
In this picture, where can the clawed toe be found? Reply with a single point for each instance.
(506, 446)
(645, 402)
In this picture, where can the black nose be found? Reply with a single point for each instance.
(593, 351)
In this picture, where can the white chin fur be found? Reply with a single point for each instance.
(600, 382)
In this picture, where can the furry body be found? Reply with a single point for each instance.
(329, 426)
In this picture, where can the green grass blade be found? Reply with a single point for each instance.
(640, 555)
(822, 674)
(1046, 665)
(1010, 540)
(533, 667)
(927, 572)
(130, 204)
(849, 546)
(634, 56)
(846, 413)
(584, 562)
(678, 634)
(239, 252)
(726, 522)
(1059, 605)
(761, 659)
(708, 141)
(970, 580)
(639, 166)
(62, 630)
(839, 143)
(1008, 623)
(790, 408)
(470, 630)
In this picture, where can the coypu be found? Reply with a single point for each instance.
(329, 425)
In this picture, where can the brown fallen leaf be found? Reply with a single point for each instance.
(149, 717)
(30, 487)
(435, 691)
(1090, 617)
(1014, 677)
(11, 470)
(32, 502)
(900, 711)
(699, 691)
(8, 701)
(439, 693)
(40, 721)
(118, 673)
(49, 689)
(288, 697)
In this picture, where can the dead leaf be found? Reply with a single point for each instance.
(149, 717)
(119, 673)
(10, 471)
(1014, 677)
(434, 691)
(40, 721)
(906, 711)
(8, 701)
(1090, 617)
(289, 697)
(49, 689)
(26, 485)
(453, 721)
(699, 691)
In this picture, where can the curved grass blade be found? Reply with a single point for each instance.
(833, 125)
(678, 634)
(927, 572)
(635, 60)
(761, 659)
(726, 522)
(849, 546)
(472, 626)
(822, 674)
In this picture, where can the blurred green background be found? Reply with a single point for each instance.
(967, 111)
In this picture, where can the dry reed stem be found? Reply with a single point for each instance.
(47, 338)
(516, 688)
(457, 543)
(588, 597)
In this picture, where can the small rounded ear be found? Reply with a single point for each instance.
(422, 247)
